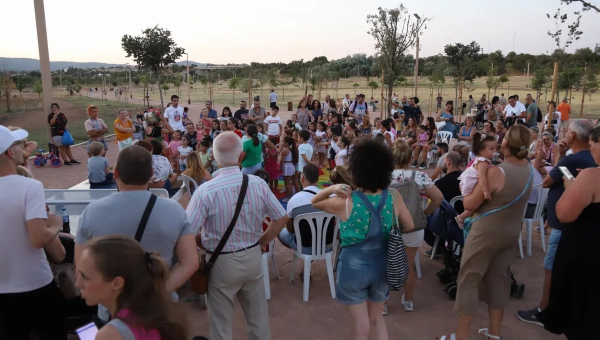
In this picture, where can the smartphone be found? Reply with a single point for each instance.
(566, 172)
(87, 332)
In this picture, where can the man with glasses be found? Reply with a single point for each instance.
(30, 301)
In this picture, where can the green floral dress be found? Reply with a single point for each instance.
(356, 228)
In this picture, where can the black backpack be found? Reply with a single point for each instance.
(539, 115)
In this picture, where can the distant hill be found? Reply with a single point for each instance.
(29, 64)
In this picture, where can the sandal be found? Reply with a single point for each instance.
(448, 337)
(484, 332)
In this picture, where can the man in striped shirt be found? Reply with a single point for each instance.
(237, 271)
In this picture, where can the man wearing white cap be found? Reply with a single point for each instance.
(30, 301)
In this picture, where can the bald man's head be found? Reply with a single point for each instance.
(134, 166)
(227, 148)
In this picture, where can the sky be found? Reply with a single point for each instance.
(241, 31)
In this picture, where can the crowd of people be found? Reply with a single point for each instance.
(130, 265)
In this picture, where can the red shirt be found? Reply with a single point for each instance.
(238, 132)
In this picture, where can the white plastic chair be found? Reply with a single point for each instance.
(190, 184)
(264, 262)
(441, 137)
(319, 225)
(537, 216)
(437, 238)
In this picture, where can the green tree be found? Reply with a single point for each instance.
(591, 84)
(136, 81)
(355, 85)
(21, 86)
(204, 82)
(233, 84)
(394, 31)
(491, 81)
(503, 79)
(165, 87)
(373, 85)
(569, 78)
(177, 84)
(540, 79)
(314, 81)
(37, 88)
(7, 85)
(462, 61)
(152, 51)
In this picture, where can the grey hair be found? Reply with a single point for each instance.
(227, 149)
(583, 129)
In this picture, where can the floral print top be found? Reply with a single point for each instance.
(162, 167)
(356, 228)
(423, 181)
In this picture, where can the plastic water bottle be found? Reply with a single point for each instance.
(66, 223)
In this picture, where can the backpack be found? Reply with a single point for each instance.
(539, 115)
(409, 191)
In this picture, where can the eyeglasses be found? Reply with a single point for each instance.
(21, 143)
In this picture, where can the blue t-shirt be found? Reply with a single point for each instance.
(212, 114)
(580, 160)
(97, 169)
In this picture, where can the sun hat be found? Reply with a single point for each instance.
(8, 137)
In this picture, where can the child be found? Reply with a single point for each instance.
(271, 165)
(223, 126)
(99, 173)
(184, 150)
(312, 128)
(275, 125)
(288, 161)
(173, 145)
(483, 147)
(215, 127)
(200, 129)
(205, 156)
(305, 151)
(423, 135)
(341, 158)
(232, 125)
(320, 139)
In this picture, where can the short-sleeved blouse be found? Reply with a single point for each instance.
(356, 228)
(162, 167)
(423, 181)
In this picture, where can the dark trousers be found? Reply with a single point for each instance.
(41, 312)
(107, 184)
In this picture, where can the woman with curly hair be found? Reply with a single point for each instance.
(157, 125)
(367, 215)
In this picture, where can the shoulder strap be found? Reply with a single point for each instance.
(509, 204)
(140, 230)
(309, 191)
(236, 214)
(122, 328)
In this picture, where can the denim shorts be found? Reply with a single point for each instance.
(289, 239)
(361, 276)
(100, 141)
(553, 241)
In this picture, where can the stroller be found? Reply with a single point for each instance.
(449, 232)
(479, 119)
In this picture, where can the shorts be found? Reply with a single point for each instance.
(361, 276)
(553, 241)
(414, 239)
(273, 104)
(289, 169)
(289, 239)
(58, 140)
(252, 169)
(564, 124)
(100, 141)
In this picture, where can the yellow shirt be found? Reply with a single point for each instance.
(121, 136)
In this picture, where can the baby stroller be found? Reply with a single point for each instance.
(449, 233)
(479, 119)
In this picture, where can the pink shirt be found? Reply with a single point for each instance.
(173, 145)
(139, 333)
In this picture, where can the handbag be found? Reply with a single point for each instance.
(409, 190)
(469, 221)
(199, 280)
(124, 143)
(396, 264)
(67, 139)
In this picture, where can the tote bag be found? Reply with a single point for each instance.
(67, 139)
(396, 260)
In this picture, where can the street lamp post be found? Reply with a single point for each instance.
(187, 78)
(417, 59)
(40, 20)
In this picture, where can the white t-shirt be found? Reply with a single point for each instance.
(555, 122)
(346, 103)
(23, 267)
(273, 97)
(301, 198)
(274, 123)
(339, 157)
(325, 107)
(175, 117)
(304, 149)
(184, 151)
(515, 111)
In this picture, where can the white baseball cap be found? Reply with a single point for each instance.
(8, 137)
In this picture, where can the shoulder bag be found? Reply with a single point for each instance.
(199, 280)
(396, 271)
(469, 221)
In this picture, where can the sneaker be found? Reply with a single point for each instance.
(414, 165)
(423, 166)
(67, 163)
(384, 312)
(408, 305)
(75, 162)
(530, 316)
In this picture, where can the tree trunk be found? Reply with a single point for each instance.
(8, 102)
(162, 104)
(233, 96)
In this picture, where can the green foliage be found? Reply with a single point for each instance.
(153, 50)
(503, 79)
(592, 84)
(373, 85)
(569, 78)
(21, 86)
(314, 82)
(136, 80)
(234, 83)
(540, 80)
(462, 59)
(492, 81)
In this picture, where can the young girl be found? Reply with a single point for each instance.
(320, 138)
(215, 127)
(289, 161)
(312, 128)
(173, 153)
(341, 158)
(200, 130)
(271, 165)
(204, 154)
(483, 147)
(223, 126)
(423, 135)
(377, 128)
(184, 150)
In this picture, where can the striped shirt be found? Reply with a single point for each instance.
(212, 206)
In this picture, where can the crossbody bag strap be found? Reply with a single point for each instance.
(310, 191)
(145, 217)
(509, 204)
(227, 234)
